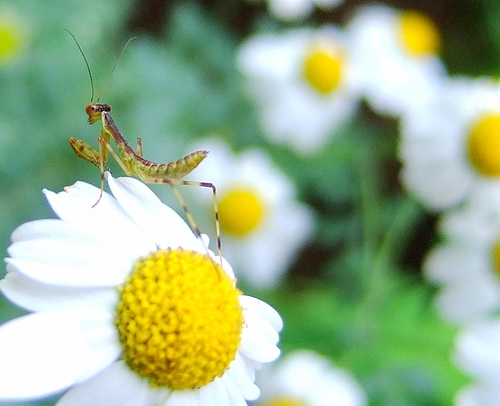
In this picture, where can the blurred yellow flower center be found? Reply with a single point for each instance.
(9, 42)
(419, 34)
(484, 145)
(285, 401)
(179, 319)
(496, 257)
(323, 71)
(241, 211)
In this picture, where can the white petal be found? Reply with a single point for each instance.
(249, 366)
(469, 299)
(482, 394)
(233, 391)
(73, 276)
(37, 296)
(452, 262)
(89, 194)
(306, 375)
(42, 353)
(65, 243)
(238, 372)
(101, 337)
(183, 398)
(61, 253)
(159, 221)
(290, 9)
(117, 385)
(260, 326)
(76, 203)
(107, 216)
(263, 310)
(214, 394)
(258, 338)
(477, 350)
(256, 347)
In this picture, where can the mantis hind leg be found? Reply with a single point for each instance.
(177, 182)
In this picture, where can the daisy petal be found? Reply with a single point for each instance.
(261, 327)
(37, 296)
(101, 338)
(263, 310)
(233, 391)
(249, 366)
(55, 242)
(184, 397)
(73, 276)
(152, 215)
(79, 203)
(31, 345)
(51, 228)
(258, 340)
(214, 394)
(257, 348)
(55, 253)
(117, 385)
(76, 203)
(106, 216)
(248, 389)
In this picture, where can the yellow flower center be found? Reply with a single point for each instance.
(179, 319)
(419, 34)
(285, 401)
(484, 145)
(496, 257)
(10, 40)
(323, 71)
(241, 211)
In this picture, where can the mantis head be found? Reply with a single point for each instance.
(94, 111)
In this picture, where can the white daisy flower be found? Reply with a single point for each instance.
(452, 145)
(303, 84)
(467, 263)
(306, 378)
(262, 224)
(290, 10)
(395, 56)
(477, 352)
(128, 308)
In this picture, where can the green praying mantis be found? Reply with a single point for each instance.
(134, 164)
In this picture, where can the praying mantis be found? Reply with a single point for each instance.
(134, 164)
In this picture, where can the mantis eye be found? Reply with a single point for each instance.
(97, 108)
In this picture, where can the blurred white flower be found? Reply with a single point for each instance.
(128, 308)
(263, 226)
(395, 56)
(467, 263)
(478, 394)
(306, 378)
(289, 10)
(477, 352)
(451, 145)
(303, 84)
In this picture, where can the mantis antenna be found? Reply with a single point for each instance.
(88, 66)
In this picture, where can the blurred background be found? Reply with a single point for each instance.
(319, 125)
